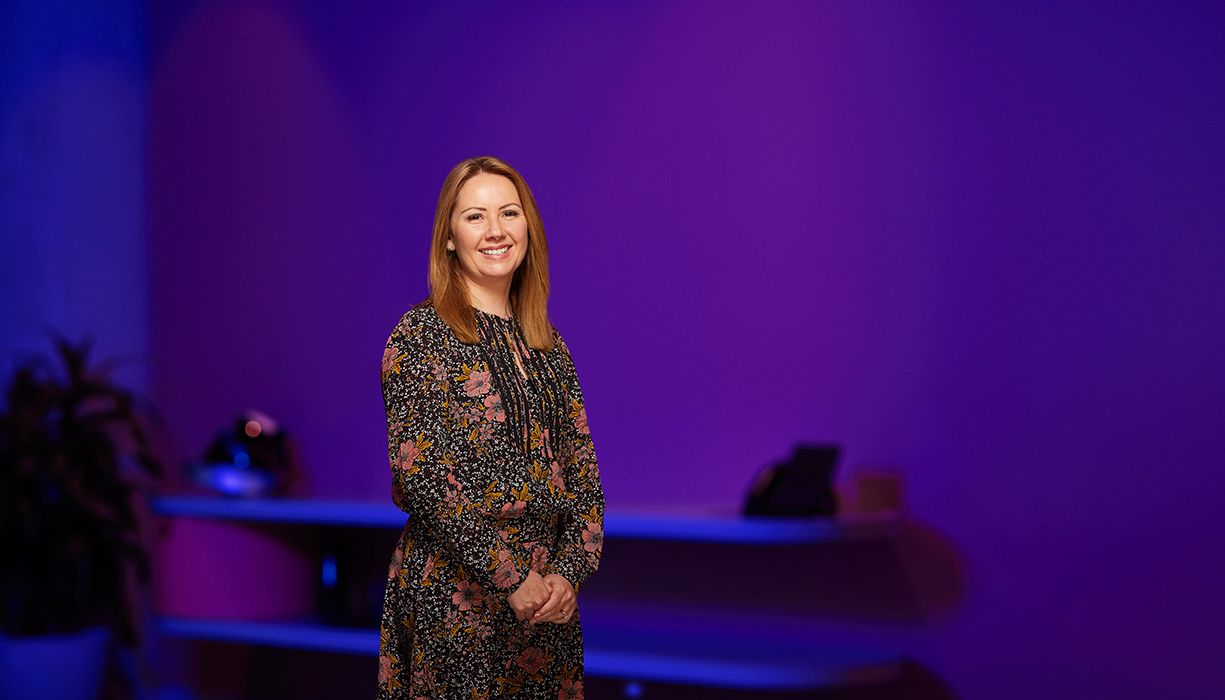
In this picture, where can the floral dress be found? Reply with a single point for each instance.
(491, 455)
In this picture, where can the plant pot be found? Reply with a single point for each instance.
(55, 667)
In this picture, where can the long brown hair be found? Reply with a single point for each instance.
(529, 289)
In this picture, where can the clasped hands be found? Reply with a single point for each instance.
(544, 599)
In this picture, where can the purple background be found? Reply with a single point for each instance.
(979, 243)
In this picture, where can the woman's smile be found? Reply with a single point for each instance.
(490, 237)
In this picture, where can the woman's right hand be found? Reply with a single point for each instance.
(529, 596)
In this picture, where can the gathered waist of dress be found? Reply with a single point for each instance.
(542, 528)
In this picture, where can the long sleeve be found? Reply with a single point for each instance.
(417, 393)
(582, 532)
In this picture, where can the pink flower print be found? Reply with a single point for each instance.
(456, 409)
(451, 499)
(478, 383)
(506, 575)
(580, 422)
(531, 660)
(570, 690)
(439, 374)
(486, 431)
(455, 496)
(395, 428)
(493, 409)
(428, 571)
(475, 413)
(408, 453)
(555, 476)
(468, 596)
(472, 621)
(540, 557)
(593, 537)
(511, 510)
(397, 560)
(385, 671)
(586, 454)
(390, 355)
(423, 677)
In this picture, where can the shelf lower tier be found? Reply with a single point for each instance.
(674, 527)
(309, 636)
(617, 648)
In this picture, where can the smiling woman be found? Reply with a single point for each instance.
(491, 455)
(489, 239)
(458, 285)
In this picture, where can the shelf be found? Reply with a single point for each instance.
(685, 670)
(626, 641)
(288, 635)
(673, 527)
(704, 647)
(731, 658)
(282, 510)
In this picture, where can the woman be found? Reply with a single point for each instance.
(491, 455)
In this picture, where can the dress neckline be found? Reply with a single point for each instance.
(499, 321)
(506, 319)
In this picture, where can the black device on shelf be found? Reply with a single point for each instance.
(801, 487)
(352, 575)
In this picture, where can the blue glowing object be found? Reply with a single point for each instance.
(633, 690)
(242, 460)
(329, 571)
(232, 480)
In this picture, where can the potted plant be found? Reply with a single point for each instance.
(75, 456)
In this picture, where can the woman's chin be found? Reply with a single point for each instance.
(494, 272)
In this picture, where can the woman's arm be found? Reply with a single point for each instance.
(582, 533)
(417, 396)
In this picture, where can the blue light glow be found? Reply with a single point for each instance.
(329, 571)
(633, 690)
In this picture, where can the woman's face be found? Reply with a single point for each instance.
(489, 230)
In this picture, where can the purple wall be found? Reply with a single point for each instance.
(72, 180)
(984, 246)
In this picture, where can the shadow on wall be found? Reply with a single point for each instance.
(839, 618)
(911, 575)
(231, 670)
(862, 590)
(914, 683)
(888, 575)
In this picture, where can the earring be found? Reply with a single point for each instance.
(451, 246)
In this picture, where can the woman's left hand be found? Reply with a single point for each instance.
(561, 605)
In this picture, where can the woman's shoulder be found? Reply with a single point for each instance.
(422, 324)
(559, 345)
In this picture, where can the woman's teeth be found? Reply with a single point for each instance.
(496, 251)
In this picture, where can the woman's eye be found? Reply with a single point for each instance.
(474, 217)
(511, 213)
